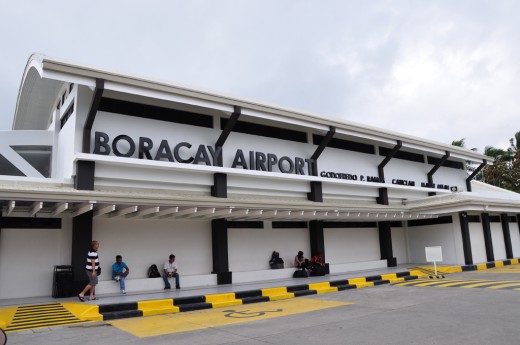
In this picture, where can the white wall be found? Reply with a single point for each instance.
(443, 235)
(478, 244)
(515, 239)
(251, 249)
(351, 245)
(146, 242)
(28, 257)
(65, 152)
(349, 162)
(399, 245)
(497, 236)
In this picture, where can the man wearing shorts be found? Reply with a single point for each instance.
(92, 269)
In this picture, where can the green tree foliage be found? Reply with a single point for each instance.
(505, 171)
(470, 166)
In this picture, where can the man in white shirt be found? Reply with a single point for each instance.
(170, 271)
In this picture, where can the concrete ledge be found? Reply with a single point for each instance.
(151, 284)
(357, 266)
(263, 275)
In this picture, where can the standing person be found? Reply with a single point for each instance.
(119, 272)
(170, 271)
(93, 270)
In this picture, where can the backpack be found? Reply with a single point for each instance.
(300, 274)
(153, 272)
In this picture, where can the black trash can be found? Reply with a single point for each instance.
(62, 281)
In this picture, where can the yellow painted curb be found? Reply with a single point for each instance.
(6, 316)
(365, 284)
(323, 287)
(83, 311)
(418, 273)
(481, 267)
(396, 280)
(499, 263)
(156, 307)
(223, 300)
(389, 276)
(276, 294)
(514, 261)
(443, 269)
(357, 281)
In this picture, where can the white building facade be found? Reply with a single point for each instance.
(149, 168)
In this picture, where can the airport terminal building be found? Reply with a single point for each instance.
(150, 168)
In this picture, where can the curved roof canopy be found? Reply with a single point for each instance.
(44, 77)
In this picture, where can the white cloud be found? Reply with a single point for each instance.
(443, 70)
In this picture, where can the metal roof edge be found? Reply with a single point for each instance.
(59, 65)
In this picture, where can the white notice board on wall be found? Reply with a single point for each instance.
(433, 254)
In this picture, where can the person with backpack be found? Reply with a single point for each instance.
(170, 271)
(300, 261)
(276, 261)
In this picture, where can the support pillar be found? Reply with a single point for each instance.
(488, 240)
(385, 243)
(316, 193)
(518, 221)
(219, 242)
(466, 242)
(81, 239)
(85, 172)
(219, 188)
(317, 238)
(507, 235)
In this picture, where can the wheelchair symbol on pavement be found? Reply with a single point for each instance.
(247, 314)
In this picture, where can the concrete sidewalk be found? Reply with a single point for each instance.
(23, 314)
(204, 290)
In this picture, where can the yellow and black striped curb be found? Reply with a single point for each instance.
(72, 312)
(466, 283)
(441, 270)
(182, 304)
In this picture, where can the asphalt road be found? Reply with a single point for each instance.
(386, 314)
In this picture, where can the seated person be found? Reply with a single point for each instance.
(300, 261)
(119, 272)
(170, 271)
(318, 265)
(317, 260)
(276, 261)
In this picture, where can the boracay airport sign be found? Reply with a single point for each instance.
(185, 152)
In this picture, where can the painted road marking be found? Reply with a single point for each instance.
(190, 321)
(467, 284)
(510, 269)
(43, 315)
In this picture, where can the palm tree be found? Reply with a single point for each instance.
(470, 167)
(515, 145)
(498, 154)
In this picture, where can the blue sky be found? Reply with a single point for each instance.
(441, 70)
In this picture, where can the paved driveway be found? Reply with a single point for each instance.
(387, 314)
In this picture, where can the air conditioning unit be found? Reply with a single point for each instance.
(456, 189)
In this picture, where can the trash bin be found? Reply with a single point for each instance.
(62, 281)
